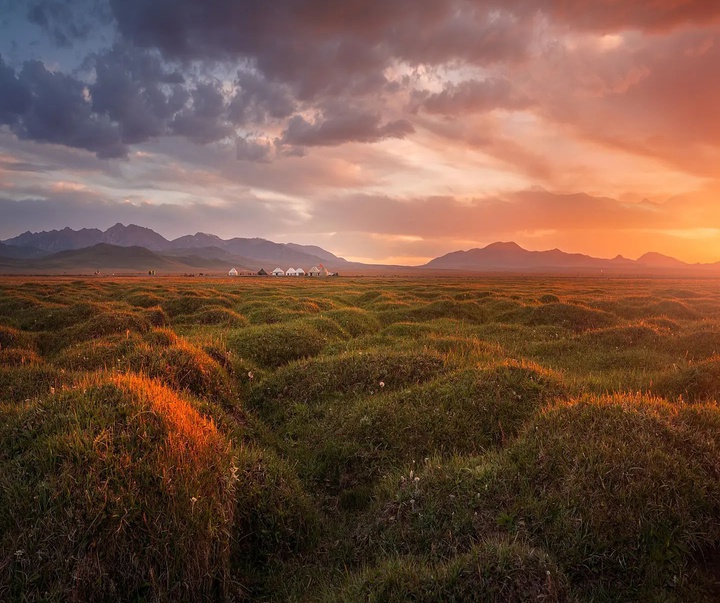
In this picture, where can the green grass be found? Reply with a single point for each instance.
(316, 440)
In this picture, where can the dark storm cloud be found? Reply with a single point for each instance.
(134, 98)
(59, 113)
(323, 47)
(15, 96)
(136, 91)
(203, 121)
(258, 100)
(67, 21)
(340, 128)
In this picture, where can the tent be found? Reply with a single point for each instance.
(290, 272)
(314, 271)
(300, 272)
(262, 272)
(233, 272)
(278, 272)
(323, 270)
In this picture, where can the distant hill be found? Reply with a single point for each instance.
(249, 252)
(102, 257)
(510, 257)
(661, 261)
(13, 251)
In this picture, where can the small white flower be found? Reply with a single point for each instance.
(250, 375)
(382, 384)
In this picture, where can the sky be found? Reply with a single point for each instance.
(388, 132)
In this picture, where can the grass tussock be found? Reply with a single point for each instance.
(634, 491)
(277, 344)
(160, 355)
(466, 412)
(570, 316)
(218, 316)
(310, 381)
(24, 382)
(18, 357)
(14, 338)
(494, 571)
(355, 321)
(695, 382)
(157, 483)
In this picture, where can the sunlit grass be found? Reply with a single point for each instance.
(359, 439)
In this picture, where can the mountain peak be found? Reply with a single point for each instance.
(505, 246)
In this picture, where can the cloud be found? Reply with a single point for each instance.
(472, 96)
(136, 91)
(15, 97)
(67, 22)
(258, 101)
(204, 120)
(59, 113)
(250, 150)
(341, 128)
(645, 15)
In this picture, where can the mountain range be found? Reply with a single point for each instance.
(51, 250)
(510, 257)
(135, 248)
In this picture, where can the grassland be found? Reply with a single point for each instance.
(359, 440)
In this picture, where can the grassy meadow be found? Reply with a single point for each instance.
(359, 440)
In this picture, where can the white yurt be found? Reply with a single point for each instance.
(278, 272)
(233, 272)
(291, 272)
(314, 271)
(299, 272)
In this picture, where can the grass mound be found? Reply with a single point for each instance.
(218, 316)
(192, 303)
(700, 345)
(549, 298)
(492, 572)
(154, 518)
(355, 321)
(632, 492)
(348, 374)
(327, 327)
(50, 317)
(407, 329)
(277, 344)
(622, 337)
(465, 310)
(673, 309)
(156, 316)
(162, 355)
(144, 300)
(108, 323)
(18, 357)
(461, 413)
(274, 517)
(25, 382)
(14, 338)
(698, 381)
(570, 316)
(265, 313)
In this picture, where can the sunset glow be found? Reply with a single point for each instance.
(387, 132)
